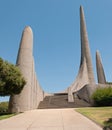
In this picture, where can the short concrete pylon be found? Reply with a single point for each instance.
(70, 95)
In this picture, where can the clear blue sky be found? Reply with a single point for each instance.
(56, 29)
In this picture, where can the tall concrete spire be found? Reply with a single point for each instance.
(100, 70)
(85, 75)
(25, 61)
(85, 49)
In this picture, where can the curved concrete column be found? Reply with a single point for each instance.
(85, 49)
(85, 75)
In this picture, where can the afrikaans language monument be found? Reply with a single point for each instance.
(32, 93)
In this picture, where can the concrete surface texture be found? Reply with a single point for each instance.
(49, 119)
(100, 71)
(85, 75)
(32, 93)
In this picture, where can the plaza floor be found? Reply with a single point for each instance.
(49, 119)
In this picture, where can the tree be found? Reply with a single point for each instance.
(11, 79)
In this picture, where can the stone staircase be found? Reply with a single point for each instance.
(61, 101)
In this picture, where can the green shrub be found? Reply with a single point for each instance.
(102, 96)
(3, 107)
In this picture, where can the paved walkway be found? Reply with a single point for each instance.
(49, 119)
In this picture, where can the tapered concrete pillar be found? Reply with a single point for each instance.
(85, 75)
(22, 102)
(25, 61)
(85, 49)
(100, 70)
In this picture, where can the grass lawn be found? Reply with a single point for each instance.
(101, 115)
(6, 116)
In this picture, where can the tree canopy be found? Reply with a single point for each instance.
(11, 79)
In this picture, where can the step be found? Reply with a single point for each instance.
(61, 101)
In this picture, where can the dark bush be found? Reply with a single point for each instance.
(108, 124)
(102, 96)
(3, 107)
